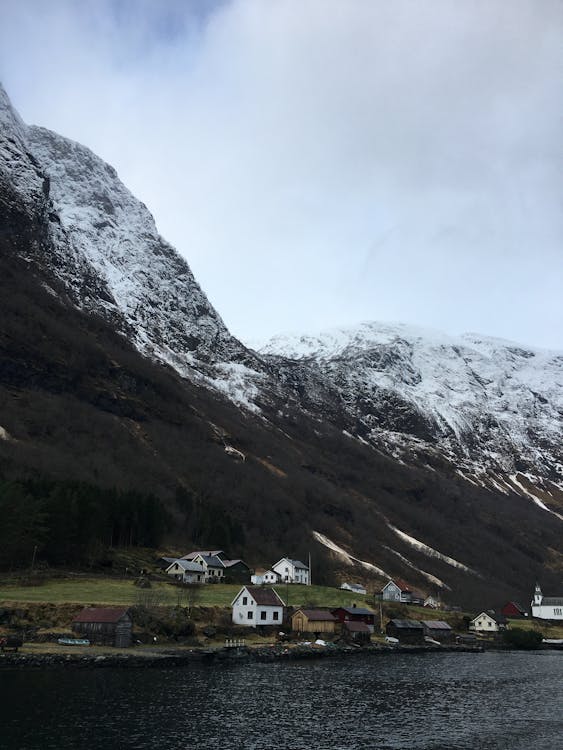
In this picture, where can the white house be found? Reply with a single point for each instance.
(354, 588)
(546, 607)
(486, 623)
(256, 605)
(186, 571)
(212, 567)
(291, 571)
(396, 591)
(264, 576)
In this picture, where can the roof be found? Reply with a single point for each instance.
(203, 553)
(436, 625)
(186, 565)
(496, 618)
(317, 615)
(212, 561)
(515, 605)
(295, 563)
(265, 597)
(402, 585)
(357, 627)
(407, 624)
(230, 563)
(101, 614)
(355, 610)
(552, 600)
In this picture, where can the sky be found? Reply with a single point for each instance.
(324, 162)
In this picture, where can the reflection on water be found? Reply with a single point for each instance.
(439, 701)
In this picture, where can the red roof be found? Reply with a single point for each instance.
(264, 596)
(101, 614)
(403, 585)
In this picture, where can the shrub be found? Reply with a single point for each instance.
(522, 639)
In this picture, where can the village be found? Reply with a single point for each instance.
(396, 615)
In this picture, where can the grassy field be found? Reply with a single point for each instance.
(118, 591)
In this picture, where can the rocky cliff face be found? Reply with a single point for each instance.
(104, 246)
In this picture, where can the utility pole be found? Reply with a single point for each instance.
(310, 580)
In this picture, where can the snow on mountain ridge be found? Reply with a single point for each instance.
(491, 401)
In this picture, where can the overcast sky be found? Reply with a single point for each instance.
(323, 162)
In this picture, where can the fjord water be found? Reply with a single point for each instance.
(494, 700)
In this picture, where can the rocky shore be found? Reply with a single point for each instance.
(181, 657)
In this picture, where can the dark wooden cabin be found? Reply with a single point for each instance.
(406, 631)
(357, 632)
(108, 626)
(438, 630)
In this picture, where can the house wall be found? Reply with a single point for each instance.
(260, 614)
(547, 612)
(391, 593)
(300, 624)
(484, 624)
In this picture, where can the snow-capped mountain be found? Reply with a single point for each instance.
(491, 409)
(483, 403)
(103, 244)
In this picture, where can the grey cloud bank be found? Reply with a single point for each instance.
(323, 162)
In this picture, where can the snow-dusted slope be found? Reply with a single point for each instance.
(482, 402)
(105, 247)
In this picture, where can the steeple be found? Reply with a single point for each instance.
(538, 596)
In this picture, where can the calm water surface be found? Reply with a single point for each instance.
(440, 701)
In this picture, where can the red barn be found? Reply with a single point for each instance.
(355, 614)
(513, 609)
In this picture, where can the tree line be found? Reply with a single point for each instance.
(70, 522)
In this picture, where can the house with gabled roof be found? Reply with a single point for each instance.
(109, 626)
(236, 571)
(355, 588)
(262, 576)
(406, 631)
(513, 609)
(487, 623)
(254, 606)
(212, 566)
(292, 571)
(396, 591)
(356, 614)
(186, 571)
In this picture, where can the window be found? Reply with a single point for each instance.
(262, 615)
(245, 600)
(250, 615)
(275, 615)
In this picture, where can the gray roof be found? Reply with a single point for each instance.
(436, 625)
(410, 624)
(299, 564)
(552, 600)
(187, 565)
(213, 561)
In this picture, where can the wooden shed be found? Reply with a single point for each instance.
(356, 631)
(407, 631)
(109, 626)
(438, 630)
(313, 621)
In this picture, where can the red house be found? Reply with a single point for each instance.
(355, 614)
(513, 609)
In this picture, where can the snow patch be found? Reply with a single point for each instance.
(4, 434)
(347, 557)
(429, 577)
(535, 499)
(430, 551)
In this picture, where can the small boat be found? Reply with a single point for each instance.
(73, 641)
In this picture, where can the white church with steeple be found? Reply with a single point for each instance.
(546, 607)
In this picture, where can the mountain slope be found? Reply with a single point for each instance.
(130, 380)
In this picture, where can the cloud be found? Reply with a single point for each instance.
(326, 161)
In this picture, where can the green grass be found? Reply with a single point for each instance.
(119, 591)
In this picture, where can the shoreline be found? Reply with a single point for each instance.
(180, 657)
